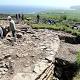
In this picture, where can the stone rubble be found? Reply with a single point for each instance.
(47, 46)
(31, 55)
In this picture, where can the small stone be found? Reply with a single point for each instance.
(3, 73)
(4, 53)
(48, 49)
(49, 58)
(5, 69)
(1, 58)
(9, 39)
(19, 35)
(0, 42)
(32, 56)
(7, 56)
(2, 70)
(0, 73)
(3, 63)
(43, 47)
(31, 32)
(7, 64)
(36, 69)
(9, 35)
(26, 65)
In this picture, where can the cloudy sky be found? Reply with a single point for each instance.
(49, 3)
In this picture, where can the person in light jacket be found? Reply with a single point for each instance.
(12, 27)
(1, 32)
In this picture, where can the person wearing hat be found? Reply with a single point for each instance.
(12, 27)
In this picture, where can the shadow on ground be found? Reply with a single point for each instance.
(65, 70)
(71, 40)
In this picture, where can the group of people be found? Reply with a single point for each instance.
(19, 17)
(12, 28)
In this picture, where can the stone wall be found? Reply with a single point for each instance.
(43, 68)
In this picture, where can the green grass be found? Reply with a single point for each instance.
(57, 27)
(71, 16)
(78, 58)
(56, 14)
(77, 77)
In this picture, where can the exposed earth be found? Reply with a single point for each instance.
(31, 47)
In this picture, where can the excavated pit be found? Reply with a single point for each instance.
(70, 39)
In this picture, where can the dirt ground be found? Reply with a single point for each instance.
(67, 50)
(30, 46)
(28, 49)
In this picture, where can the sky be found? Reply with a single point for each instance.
(48, 3)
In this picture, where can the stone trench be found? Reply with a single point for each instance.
(31, 57)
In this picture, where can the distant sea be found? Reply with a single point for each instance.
(20, 9)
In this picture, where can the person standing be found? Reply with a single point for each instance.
(38, 18)
(22, 16)
(12, 27)
(17, 18)
(1, 32)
